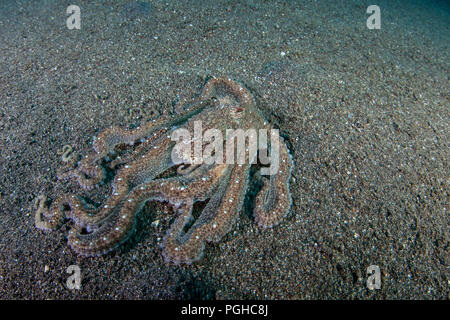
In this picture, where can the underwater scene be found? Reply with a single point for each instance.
(224, 150)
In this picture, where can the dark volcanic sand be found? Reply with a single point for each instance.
(365, 114)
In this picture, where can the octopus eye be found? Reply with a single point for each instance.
(214, 99)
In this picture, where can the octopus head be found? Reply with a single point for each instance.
(228, 94)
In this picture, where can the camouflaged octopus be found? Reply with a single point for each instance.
(223, 104)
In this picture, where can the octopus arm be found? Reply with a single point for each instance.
(215, 221)
(63, 207)
(274, 199)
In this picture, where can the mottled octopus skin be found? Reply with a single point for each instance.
(223, 104)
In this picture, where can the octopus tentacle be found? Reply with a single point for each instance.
(274, 200)
(139, 172)
(185, 169)
(216, 219)
(183, 247)
(103, 236)
(140, 150)
(119, 225)
(49, 219)
(89, 173)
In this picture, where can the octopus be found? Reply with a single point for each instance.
(138, 159)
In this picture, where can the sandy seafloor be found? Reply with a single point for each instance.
(365, 114)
